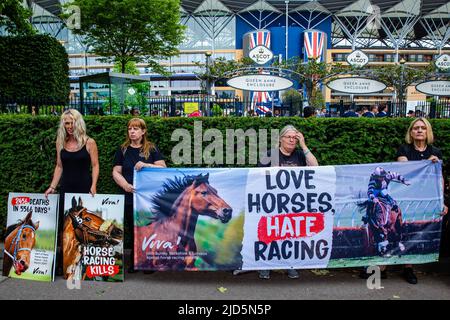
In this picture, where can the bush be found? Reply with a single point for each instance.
(27, 144)
(35, 67)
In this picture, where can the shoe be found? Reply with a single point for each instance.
(264, 274)
(292, 274)
(410, 277)
(238, 272)
(149, 271)
(363, 273)
(131, 270)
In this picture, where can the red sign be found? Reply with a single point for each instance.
(103, 270)
(17, 201)
(290, 226)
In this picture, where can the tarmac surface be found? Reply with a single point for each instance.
(341, 284)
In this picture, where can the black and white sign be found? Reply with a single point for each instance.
(261, 55)
(260, 82)
(356, 85)
(443, 62)
(435, 88)
(357, 59)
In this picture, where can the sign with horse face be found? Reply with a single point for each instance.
(93, 237)
(30, 236)
(287, 217)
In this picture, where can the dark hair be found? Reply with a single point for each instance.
(309, 112)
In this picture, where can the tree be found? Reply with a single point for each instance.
(310, 74)
(217, 70)
(123, 31)
(400, 76)
(15, 17)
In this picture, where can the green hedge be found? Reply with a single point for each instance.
(27, 147)
(34, 67)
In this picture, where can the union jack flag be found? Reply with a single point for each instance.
(314, 43)
(261, 101)
(259, 38)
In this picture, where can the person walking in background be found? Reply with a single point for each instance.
(382, 111)
(135, 153)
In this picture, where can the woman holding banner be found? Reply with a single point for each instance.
(135, 153)
(287, 155)
(419, 139)
(76, 154)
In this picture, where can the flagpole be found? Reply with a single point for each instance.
(287, 22)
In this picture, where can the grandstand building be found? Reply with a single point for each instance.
(388, 31)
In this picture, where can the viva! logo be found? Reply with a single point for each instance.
(17, 201)
(291, 225)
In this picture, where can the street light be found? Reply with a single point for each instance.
(402, 90)
(208, 81)
(287, 22)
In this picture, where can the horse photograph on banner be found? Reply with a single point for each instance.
(92, 242)
(392, 217)
(30, 240)
(184, 224)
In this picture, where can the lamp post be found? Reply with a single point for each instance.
(287, 32)
(402, 90)
(208, 83)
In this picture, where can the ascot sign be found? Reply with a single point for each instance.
(435, 88)
(443, 62)
(260, 82)
(356, 85)
(357, 59)
(261, 55)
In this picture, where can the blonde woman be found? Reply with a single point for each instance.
(135, 153)
(77, 167)
(419, 138)
(76, 154)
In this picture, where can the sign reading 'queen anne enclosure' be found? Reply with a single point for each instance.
(435, 88)
(260, 82)
(356, 85)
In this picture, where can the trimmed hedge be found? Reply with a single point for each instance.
(34, 68)
(27, 144)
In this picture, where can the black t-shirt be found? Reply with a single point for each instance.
(296, 159)
(408, 151)
(129, 159)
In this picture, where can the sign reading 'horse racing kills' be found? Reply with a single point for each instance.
(93, 237)
(30, 236)
(289, 217)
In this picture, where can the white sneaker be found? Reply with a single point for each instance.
(264, 274)
(401, 246)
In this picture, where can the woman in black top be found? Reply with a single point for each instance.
(288, 156)
(419, 139)
(135, 153)
(76, 153)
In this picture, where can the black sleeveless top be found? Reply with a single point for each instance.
(76, 175)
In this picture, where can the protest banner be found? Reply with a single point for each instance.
(93, 237)
(30, 242)
(287, 217)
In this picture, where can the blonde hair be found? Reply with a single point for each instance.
(79, 129)
(430, 136)
(147, 146)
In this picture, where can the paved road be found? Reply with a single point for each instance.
(434, 283)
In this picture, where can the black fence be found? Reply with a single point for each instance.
(200, 105)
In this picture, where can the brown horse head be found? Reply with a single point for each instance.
(89, 228)
(206, 201)
(19, 243)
